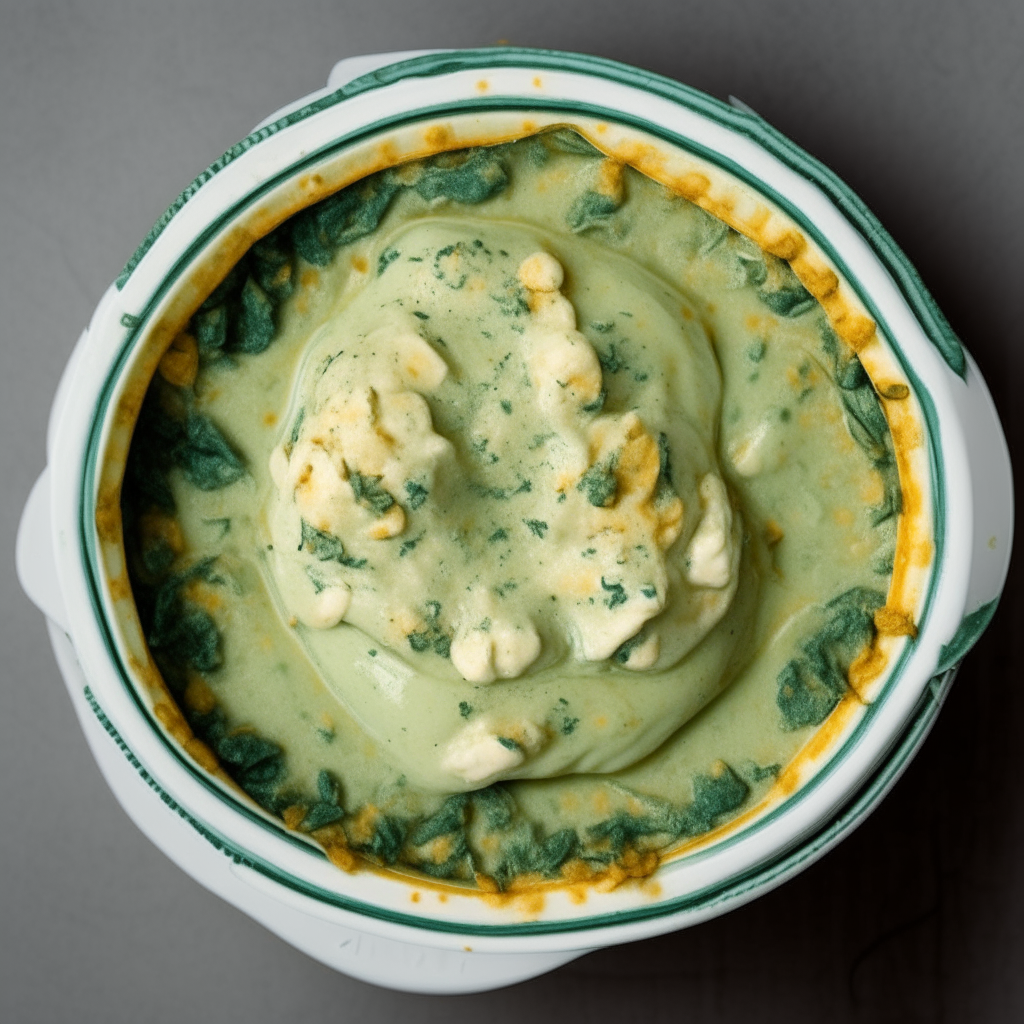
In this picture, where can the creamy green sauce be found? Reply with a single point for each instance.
(521, 513)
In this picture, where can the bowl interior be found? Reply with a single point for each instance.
(762, 186)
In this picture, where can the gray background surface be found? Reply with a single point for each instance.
(108, 109)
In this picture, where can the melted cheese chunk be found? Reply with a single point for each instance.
(481, 752)
(709, 556)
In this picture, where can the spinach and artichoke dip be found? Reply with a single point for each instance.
(507, 517)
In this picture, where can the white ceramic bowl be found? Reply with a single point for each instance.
(364, 923)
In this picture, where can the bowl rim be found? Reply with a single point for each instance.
(908, 284)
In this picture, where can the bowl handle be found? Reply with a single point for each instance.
(36, 562)
(334, 937)
(345, 71)
(992, 488)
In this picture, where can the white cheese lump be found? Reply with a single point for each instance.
(493, 494)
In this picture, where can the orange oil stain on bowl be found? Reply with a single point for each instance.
(439, 136)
